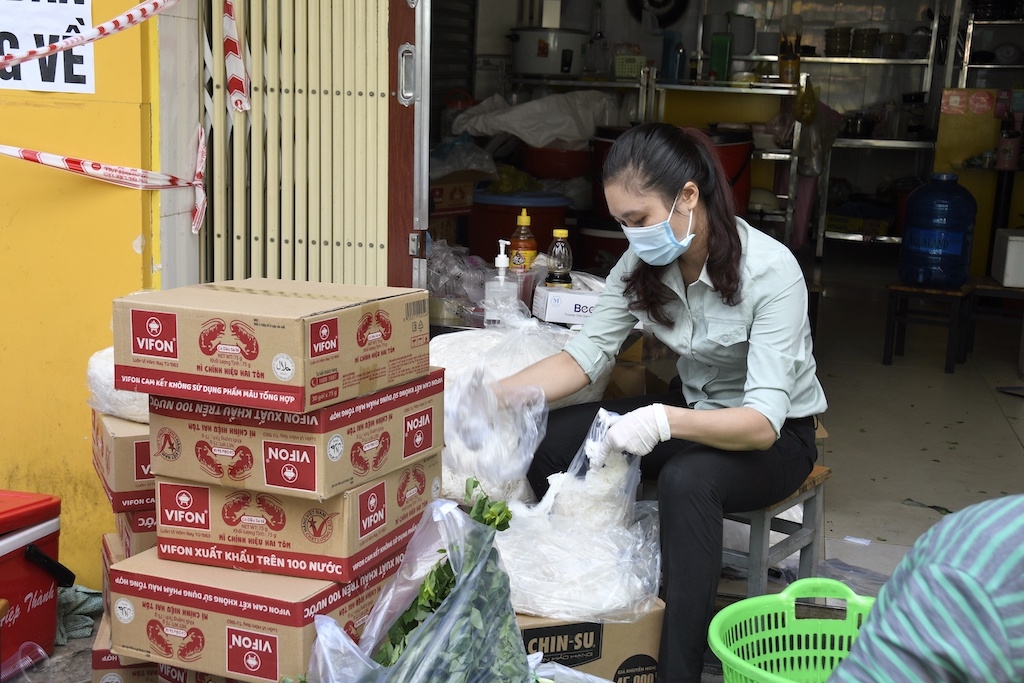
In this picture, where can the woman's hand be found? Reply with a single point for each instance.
(638, 431)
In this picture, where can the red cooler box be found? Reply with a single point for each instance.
(28, 519)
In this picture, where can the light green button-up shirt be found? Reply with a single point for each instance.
(757, 353)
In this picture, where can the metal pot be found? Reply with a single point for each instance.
(548, 52)
(858, 127)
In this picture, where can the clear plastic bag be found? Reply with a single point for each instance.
(490, 437)
(472, 637)
(483, 356)
(452, 273)
(588, 551)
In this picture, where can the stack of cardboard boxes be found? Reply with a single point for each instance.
(295, 439)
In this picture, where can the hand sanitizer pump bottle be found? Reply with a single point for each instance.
(499, 289)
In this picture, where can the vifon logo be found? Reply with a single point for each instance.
(323, 338)
(154, 333)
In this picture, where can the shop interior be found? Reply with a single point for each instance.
(907, 442)
(829, 118)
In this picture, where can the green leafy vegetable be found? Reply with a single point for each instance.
(437, 586)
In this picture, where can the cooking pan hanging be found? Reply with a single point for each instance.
(667, 12)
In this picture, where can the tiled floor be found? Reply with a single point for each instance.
(903, 437)
(907, 435)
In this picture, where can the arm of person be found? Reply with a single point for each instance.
(558, 376)
(731, 429)
(939, 624)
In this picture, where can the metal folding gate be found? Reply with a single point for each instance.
(298, 184)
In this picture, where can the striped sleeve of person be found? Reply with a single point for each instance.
(954, 608)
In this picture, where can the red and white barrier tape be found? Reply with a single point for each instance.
(124, 176)
(136, 15)
(238, 79)
(234, 65)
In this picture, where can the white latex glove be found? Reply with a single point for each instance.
(639, 431)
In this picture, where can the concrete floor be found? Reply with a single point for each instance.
(901, 438)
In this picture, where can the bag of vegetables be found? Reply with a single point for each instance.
(446, 617)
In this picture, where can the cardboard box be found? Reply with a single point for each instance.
(121, 458)
(337, 538)
(315, 455)
(559, 305)
(452, 194)
(112, 552)
(242, 625)
(280, 344)
(445, 228)
(1008, 257)
(168, 673)
(28, 518)
(613, 651)
(110, 668)
(632, 379)
(137, 529)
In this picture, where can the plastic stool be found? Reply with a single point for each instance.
(804, 536)
(957, 321)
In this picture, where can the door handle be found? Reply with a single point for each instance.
(407, 90)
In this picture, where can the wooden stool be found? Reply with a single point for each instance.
(957, 321)
(804, 536)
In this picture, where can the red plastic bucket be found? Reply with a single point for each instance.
(493, 217)
(734, 148)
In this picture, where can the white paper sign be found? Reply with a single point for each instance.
(26, 24)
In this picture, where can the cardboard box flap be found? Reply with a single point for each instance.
(290, 298)
(217, 589)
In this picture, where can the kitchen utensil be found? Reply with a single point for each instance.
(791, 29)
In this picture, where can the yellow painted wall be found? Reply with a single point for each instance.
(66, 250)
(963, 136)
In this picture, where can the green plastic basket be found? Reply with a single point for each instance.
(761, 640)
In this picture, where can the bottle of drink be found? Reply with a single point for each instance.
(559, 260)
(523, 249)
(499, 291)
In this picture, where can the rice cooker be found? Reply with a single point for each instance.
(548, 51)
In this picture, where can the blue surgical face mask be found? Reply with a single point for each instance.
(657, 244)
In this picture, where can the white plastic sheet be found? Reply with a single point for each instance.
(570, 119)
(127, 405)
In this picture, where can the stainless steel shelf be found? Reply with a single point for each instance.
(735, 87)
(575, 83)
(967, 66)
(874, 143)
(829, 60)
(998, 22)
(865, 60)
(994, 66)
(857, 237)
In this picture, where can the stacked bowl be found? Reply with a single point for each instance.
(837, 41)
(864, 40)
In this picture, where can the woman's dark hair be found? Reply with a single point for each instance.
(659, 158)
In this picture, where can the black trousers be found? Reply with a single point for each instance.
(696, 485)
